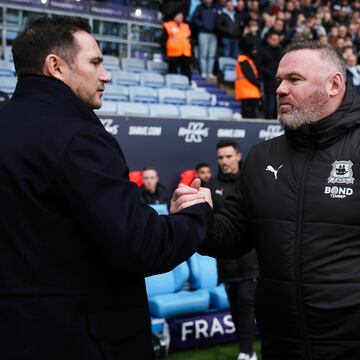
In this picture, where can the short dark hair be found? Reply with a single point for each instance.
(146, 168)
(201, 165)
(44, 36)
(327, 53)
(226, 143)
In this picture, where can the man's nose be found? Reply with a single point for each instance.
(282, 89)
(105, 76)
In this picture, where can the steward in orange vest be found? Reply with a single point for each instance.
(247, 86)
(176, 45)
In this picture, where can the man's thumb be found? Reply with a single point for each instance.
(196, 184)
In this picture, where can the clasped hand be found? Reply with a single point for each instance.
(185, 196)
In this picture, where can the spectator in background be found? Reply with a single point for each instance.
(203, 172)
(247, 86)
(204, 20)
(176, 46)
(353, 71)
(251, 37)
(239, 275)
(4, 98)
(152, 192)
(229, 28)
(267, 61)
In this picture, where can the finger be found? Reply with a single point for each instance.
(196, 183)
(183, 190)
(189, 197)
(190, 203)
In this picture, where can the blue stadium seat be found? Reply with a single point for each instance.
(151, 79)
(133, 109)
(220, 113)
(227, 68)
(133, 65)
(7, 69)
(166, 297)
(164, 110)
(111, 62)
(160, 67)
(125, 78)
(8, 54)
(143, 94)
(198, 97)
(8, 84)
(172, 96)
(177, 81)
(203, 275)
(193, 111)
(107, 108)
(116, 92)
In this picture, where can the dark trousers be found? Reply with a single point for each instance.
(249, 108)
(241, 298)
(182, 63)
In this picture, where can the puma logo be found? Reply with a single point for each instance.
(219, 192)
(270, 168)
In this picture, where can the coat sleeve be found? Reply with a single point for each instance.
(229, 236)
(93, 177)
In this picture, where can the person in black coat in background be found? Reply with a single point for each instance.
(239, 275)
(76, 240)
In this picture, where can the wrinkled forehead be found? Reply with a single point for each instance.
(304, 62)
(87, 45)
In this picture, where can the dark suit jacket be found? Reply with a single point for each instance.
(75, 239)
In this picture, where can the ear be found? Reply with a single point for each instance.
(336, 84)
(239, 155)
(55, 66)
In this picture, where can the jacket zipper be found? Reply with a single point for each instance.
(298, 241)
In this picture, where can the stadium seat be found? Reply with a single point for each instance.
(177, 81)
(166, 297)
(111, 62)
(172, 96)
(160, 67)
(133, 65)
(196, 97)
(151, 79)
(7, 69)
(203, 275)
(193, 111)
(107, 108)
(164, 110)
(227, 68)
(8, 54)
(125, 78)
(133, 109)
(143, 94)
(8, 84)
(115, 92)
(220, 113)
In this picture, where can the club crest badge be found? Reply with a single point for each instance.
(341, 173)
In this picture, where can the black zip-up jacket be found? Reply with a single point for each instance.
(298, 205)
(245, 267)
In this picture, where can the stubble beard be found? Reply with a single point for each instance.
(310, 113)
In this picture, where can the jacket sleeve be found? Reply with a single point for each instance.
(163, 41)
(93, 177)
(229, 236)
(249, 74)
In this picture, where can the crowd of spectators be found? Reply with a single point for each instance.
(262, 28)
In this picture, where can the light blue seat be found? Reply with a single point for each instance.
(8, 84)
(227, 68)
(172, 96)
(133, 65)
(203, 275)
(116, 92)
(164, 110)
(8, 56)
(193, 111)
(143, 94)
(7, 69)
(151, 79)
(198, 97)
(220, 113)
(160, 67)
(111, 62)
(107, 108)
(125, 78)
(177, 81)
(132, 109)
(166, 297)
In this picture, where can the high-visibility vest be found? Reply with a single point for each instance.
(244, 89)
(178, 43)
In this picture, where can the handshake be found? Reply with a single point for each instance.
(185, 196)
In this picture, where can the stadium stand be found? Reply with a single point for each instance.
(164, 110)
(193, 111)
(196, 97)
(116, 92)
(160, 67)
(152, 79)
(177, 81)
(143, 94)
(220, 113)
(172, 96)
(125, 78)
(132, 109)
(133, 65)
